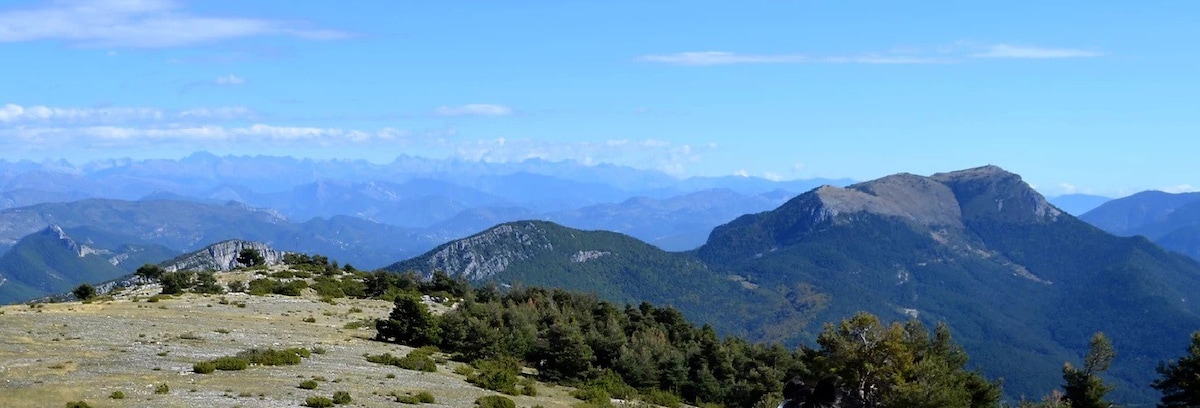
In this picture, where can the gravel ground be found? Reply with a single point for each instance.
(56, 353)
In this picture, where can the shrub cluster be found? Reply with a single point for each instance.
(495, 401)
(243, 360)
(418, 360)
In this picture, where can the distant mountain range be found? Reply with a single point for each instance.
(1078, 204)
(1170, 220)
(356, 212)
(1022, 284)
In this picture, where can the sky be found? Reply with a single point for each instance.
(1077, 97)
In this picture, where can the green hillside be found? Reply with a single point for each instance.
(54, 261)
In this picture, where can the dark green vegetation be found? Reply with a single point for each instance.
(1179, 379)
(55, 260)
(1023, 285)
(256, 356)
(1170, 220)
(494, 401)
(610, 351)
(416, 360)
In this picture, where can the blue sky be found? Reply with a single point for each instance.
(1084, 97)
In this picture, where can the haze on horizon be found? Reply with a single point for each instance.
(1076, 97)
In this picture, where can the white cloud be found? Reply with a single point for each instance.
(741, 173)
(12, 113)
(16, 114)
(1182, 188)
(229, 80)
(1068, 188)
(1016, 51)
(773, 176)
(474, 109)
(223, 113)
(656, 154)
(955, 52)
(139, 24)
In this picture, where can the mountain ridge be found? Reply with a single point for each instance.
(1016, 278)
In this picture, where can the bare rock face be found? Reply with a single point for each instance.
(916, 198)
(222, 256)
(80, 250)
(990, 192)
(504, 245)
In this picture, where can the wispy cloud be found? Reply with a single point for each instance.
(1182, 188)
(474, 109)
(956, 52)
(1017, 51)
(13, 114)
(228, 80)
(659, 155)
(140, 24)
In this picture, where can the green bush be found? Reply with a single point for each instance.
(495, 401)
(308, 384)
(592, 394)
(661, 398)
(408, 399)
(318, 402)
(464, 370)
(341, 397)
(425, 397)
(117, 395)
(162, 389)
(204, 367)
(497, 374)
(272, 357)
(231, 363)
(78, 404)
(611, 382)
(417, 360)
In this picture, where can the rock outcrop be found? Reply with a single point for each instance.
(222, 256)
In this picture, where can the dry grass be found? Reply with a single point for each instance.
(71, 351)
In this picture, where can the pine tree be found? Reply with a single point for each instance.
(1180, 382)
(1084, 388)
(410, 323)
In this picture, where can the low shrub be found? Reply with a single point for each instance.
(272, 357)
(342, 397)
(318, 402)
(407, 399)
(416, 360)
(464, 370)
(425, 397)
(592, 394)
(117, 395)
(204, 367)
(308, 384)
(494, 401)
(231, 363)
(78, 404)
(661, 398)
(497, 374)
(162, 389)
(310, 319)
